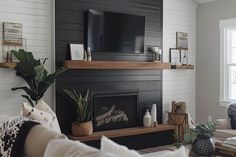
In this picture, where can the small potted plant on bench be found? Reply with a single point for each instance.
(200, 138)
(83, 126)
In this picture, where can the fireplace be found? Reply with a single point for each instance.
(115, 110)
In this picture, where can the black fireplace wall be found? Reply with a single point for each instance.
(148, 83)
(69, 25)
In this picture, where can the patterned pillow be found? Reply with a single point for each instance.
(43, 114)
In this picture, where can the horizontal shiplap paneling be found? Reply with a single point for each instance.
(35, 16)
(179, 85)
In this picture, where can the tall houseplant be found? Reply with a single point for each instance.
(83, 126)
(34, 74)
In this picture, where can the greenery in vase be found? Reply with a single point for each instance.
(34, 74)
(201, 130)
(82, 105)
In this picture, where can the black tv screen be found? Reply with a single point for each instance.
(115, 32)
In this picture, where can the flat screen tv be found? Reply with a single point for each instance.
(115, 32)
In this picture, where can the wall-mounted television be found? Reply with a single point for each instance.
(114, 32)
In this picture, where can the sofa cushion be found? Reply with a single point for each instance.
(224, 133)
(38, 139)
(43, 114)
(68, 148)
(223, 124)
(181, 152)
(108, 145)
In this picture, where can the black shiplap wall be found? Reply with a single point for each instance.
(70, 29)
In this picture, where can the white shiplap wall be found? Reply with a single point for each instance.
(179, 85)
(36, 17)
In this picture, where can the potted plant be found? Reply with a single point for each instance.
(83, 126)
(203, 144)
(201, 139)
(35, 75)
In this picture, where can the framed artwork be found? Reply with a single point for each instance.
(184, 56)
(77, 51)
(12, 33)
(175, 56)
(181, 40)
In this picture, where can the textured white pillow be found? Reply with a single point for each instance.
(68, 148)
(43, 114)
(181, 152)
(108, 145)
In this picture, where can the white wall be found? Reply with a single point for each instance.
(179, 85)
(35, 15)
(208, 57)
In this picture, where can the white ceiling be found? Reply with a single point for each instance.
(204, 1)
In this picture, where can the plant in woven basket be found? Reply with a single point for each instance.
(83, 126)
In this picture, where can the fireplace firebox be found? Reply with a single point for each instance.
(115, 110)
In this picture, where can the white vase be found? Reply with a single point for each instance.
(154, 113)
(147, 119)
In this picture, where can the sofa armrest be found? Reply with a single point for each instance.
(223, 124)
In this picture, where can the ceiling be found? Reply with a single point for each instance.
(204, 1)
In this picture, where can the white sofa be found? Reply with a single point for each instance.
(224, 129)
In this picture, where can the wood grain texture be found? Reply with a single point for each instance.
(123, 132)
(115, 65)
(8, 65)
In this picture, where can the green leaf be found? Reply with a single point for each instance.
(34, 74)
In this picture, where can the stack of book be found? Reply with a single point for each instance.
(230, 142)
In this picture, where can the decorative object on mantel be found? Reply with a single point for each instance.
(89, 54)
(12, 39)
(174, 56)
(184, 56)
(181, 40)
(34, 74)
(12, 33)
(77, 51)
(83, 126)
(156, 53)
(154, 114)
(147, 119)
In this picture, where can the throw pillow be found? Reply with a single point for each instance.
(233, 120)
(181, 152)
(108, 145)
(231, 111)
(68, 148)
(43, 114)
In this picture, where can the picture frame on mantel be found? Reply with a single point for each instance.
(181, 40)
(77, 51)
(184, 56)
(12, 33)
(174, 56)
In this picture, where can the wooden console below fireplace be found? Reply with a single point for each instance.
(133, 138)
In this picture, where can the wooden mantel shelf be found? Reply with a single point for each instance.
(8, 65)
(123, 132)
(118, 65)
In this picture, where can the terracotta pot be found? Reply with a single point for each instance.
(82, 129)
